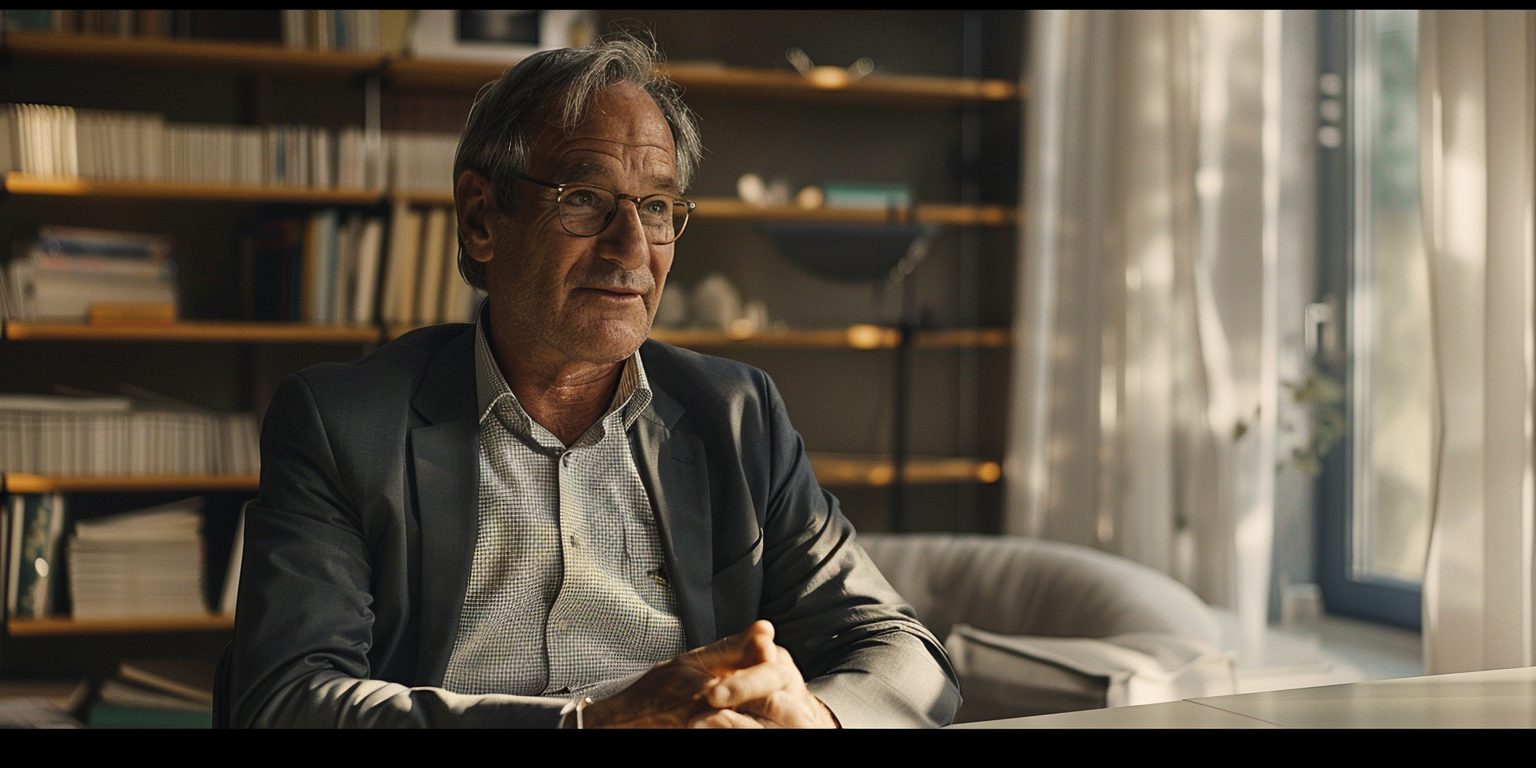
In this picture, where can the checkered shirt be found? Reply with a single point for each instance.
(568, 590)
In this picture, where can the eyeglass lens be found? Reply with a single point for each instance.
(586, 211)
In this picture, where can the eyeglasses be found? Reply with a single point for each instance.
(586, 210)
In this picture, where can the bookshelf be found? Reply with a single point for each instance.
(207, 331)
(61, 627)
(709, 208)
(933, 109)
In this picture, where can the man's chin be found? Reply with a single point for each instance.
(608, 342)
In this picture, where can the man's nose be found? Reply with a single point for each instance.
(625, 242)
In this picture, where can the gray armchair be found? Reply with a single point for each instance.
(1035, 627)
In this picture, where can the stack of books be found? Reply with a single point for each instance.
(155, 693)
(145, 563)
(79, 273)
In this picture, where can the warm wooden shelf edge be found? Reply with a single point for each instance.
(852, 337)
(194, 330)
(912, 90)
(21, 482)
(432, 73)
(55, 626)
(709, 208)
(732, 209)
(24, 184)
(836, 469)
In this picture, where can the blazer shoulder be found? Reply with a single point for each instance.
(393, 367)
(386, 380)
(689, 375)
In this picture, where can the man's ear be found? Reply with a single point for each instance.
(476, 204)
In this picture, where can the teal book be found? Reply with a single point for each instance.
(42, 527)
(105, 715)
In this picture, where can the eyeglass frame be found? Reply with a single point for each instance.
(613, 214)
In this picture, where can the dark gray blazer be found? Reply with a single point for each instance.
(358, 550)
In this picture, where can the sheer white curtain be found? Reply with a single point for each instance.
(1145, 381)
(1477, 137)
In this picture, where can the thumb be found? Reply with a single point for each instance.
(747, 648)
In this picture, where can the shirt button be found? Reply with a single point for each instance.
(568, 459)
(574, 541)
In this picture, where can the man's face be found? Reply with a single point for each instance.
(588, 299)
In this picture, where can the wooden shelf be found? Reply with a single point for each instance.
(230, 56)
(62, 625)
(742, 82)
(194, 331)
(852, 337)
(23, 184)
(21, 482)
(855, 470)
(732, 209)
(894, 90)
(696, 79)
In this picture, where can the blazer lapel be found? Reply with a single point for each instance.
(672, 468)
(446, 488)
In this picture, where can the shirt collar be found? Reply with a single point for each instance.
(632, 396)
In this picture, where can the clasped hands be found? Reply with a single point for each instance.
(741, 681)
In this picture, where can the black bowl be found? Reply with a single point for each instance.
(846, 252)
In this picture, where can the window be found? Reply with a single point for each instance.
(1374, 493)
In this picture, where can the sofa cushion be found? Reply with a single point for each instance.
(1020, 586)
(1004, 676)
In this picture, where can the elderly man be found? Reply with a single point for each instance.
(528, 521)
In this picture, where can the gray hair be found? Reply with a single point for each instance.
(558, 86)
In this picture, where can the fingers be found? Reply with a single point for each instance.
(793, 708)
(726, 718)
(777, 673)
(748, 648)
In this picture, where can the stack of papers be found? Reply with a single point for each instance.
(147, 563)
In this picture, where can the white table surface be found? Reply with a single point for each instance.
(1501, 698)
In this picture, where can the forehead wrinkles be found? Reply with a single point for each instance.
(621, 119)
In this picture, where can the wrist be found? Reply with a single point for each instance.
(573, 714)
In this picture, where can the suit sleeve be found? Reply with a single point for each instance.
(305, 617)
(860, 647)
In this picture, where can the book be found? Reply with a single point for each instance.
(319, 265)
(429, 300)
(147, 562)
(370, 257)
(122, 693)
(107, 715)
(186, 678)
(344, 286)
(41, 518)
(270, 252)
(399, 306)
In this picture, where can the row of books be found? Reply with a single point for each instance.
(123, 146)
(123, 436)
(331, 30)
(144, 563)
(110, 23)
(335, 267)
(67, 273)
